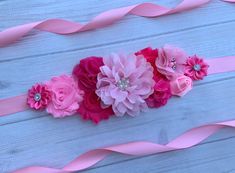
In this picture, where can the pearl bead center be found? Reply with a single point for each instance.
(197, 67)
(123, 84)
(37, 97)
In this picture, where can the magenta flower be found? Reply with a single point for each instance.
(38, 96)
(161, 94)
(125, 82)
(170, 61)
(196, 68)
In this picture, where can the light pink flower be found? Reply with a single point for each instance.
(196, 68)
(170, 61)
(181, 85)
(38, 96)
(125, 82)
(65, 96)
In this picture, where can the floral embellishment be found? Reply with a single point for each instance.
(170, 61)
(125, 82)
(91, 108)
(181, 85)
(86, 72)
(66, 96)
(86, 75)
(119, 84)
(161, 94)
(196, 68)
(38, 96)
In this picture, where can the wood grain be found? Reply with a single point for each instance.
(29, 137)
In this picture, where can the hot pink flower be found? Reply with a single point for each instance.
(66, 96)
(196, 68)
(86, 72)
(161, 95)
(162, 90)
(125, 82)
(170, 61)
(38, 96)
(91, 109)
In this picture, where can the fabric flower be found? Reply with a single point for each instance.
(66, 96)
(181, 85)
(170, 61)
(91, 108)
(151, 55)
(125, 82)
(86, 72)
(161, 94)
(162, 91)
(38, 96)
(196, 68)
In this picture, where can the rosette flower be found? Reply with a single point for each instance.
(66, 96)
(125, 82)
(86, 75)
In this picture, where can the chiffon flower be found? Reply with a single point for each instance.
(86, 72)
(125, 82)
(91, 108)
(86, 75)
(162, 90)
(170, 61)
(38, 96)
(196, 68)
(66, 96)
(162, 93)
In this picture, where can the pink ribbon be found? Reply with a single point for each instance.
(60, 26)
(141, 148)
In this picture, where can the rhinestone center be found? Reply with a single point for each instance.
(197, 67)
(123, 83)
(173, 63)
(37, 97)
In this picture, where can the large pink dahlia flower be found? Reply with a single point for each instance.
(125, 82)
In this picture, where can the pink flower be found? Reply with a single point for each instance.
(151, 55)
(161, 94)
(86, 72)
(38, 96)
(91, 109)
(181, 85)
(170, 61)
(196, 68)
(125, 82)
(66, 96)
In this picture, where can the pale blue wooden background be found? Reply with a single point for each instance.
(33, 138)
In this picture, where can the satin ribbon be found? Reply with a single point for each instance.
(139, 148)
(60, 26)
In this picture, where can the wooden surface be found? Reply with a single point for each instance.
(34, 138)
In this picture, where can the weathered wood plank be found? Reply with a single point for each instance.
(35, 138)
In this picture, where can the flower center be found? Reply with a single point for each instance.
(37, 97)
(123, 83)
(197, 67)
(173, 63)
